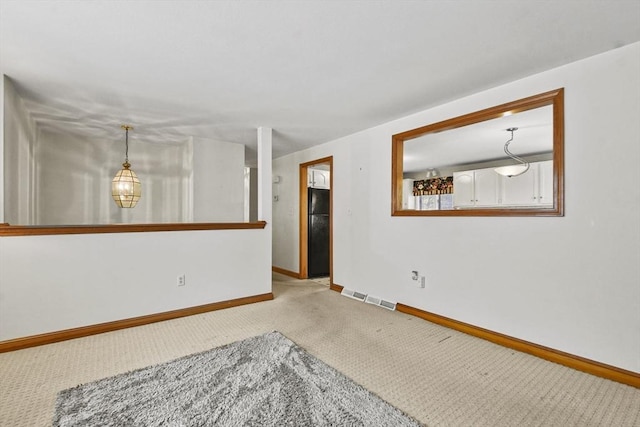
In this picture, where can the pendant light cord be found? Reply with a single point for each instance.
(513, 156)
(126, 142)
(126, 145)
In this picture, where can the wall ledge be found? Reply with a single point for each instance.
(84, 331)
(7, 230)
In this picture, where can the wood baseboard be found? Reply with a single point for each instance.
(572, 361)
(68, 334)
(336, 287)
(286, 272)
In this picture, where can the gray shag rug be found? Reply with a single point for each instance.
(261, 381)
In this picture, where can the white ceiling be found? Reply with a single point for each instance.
(312, 70)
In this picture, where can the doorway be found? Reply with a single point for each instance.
(317, 187)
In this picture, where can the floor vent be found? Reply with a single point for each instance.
(382, 303)
(373, 300)
(353, 294)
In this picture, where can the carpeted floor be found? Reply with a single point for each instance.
(438, 376)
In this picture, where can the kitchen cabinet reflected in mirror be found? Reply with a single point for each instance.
(506, 160)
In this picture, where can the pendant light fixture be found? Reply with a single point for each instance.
(125, 187)
(513, 170)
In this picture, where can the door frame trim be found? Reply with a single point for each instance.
(304, 267)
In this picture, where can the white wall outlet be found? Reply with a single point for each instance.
(182, 280)
(417, 279)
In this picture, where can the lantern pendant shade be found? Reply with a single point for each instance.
(125, 187)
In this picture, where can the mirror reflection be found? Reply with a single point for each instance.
(506, 160)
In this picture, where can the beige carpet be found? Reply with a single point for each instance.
(440, 377)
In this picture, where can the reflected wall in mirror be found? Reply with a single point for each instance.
(506, 160)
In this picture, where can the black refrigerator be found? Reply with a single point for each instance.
(318, 232)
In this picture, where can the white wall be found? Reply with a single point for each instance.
(73, 181)
(253, 194)
(4, 94)
(51, 283)
(18, 159)
(218, 181)
(571, 283)
(286, 211)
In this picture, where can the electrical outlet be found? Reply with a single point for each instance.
(182, 280)
(417, 279)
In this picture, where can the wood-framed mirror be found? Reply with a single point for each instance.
(506, 160)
